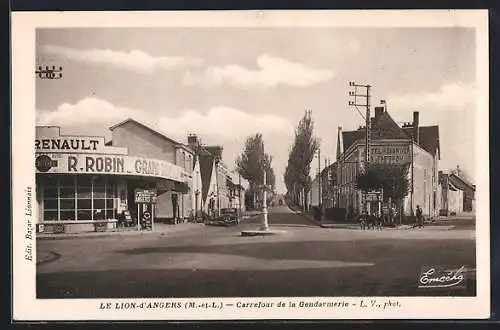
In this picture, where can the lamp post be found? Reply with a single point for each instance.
(265, 225)
(319, 177)
(239, 192)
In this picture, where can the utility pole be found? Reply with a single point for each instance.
(412, 174)
(319, 177)
(363, 92)
(239, 191)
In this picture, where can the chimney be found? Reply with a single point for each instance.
(416, 136)
(192, 139)
(216, 151)
(340, 142)
(378, 112)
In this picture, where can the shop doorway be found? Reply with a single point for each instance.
(132, 185)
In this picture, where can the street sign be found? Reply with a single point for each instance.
(146, 196)
(372, 196)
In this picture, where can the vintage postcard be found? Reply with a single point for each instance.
(250, 165)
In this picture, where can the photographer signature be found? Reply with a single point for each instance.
(433, 278)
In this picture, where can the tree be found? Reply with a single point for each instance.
(297, 174)
(251, 163)
(391, 178)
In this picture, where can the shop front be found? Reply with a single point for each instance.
(92, 185)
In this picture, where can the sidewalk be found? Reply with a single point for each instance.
(356, 226)
(160, 229)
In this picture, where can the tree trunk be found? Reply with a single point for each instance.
(254, 199)
(391, 214)
(400, 208)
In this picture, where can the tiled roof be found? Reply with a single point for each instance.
(206, 167)
(461, 183)
(428, 138)
(152, 129)
(332, 166)
(386, 128)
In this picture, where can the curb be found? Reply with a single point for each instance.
(311, 219)
(55, 256)
(111, 234)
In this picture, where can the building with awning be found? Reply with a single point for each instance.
(83, 180)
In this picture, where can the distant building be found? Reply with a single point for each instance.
(457, 196)
(237, 187)
(216, 190)
(328, 184)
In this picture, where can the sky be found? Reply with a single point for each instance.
(225, 84)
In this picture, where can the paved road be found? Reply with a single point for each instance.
(216, 261)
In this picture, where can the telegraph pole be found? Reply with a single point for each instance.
(319, 177)
(363, 92)
(239, 192)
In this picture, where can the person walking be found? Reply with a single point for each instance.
(420, 218)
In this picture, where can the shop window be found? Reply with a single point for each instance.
(84, 181)
(99, 203)
(67, 214)
(86, 200)
(50, 215)
(99, 214)
(50, 204)
(67, 192)
(84, 192)
(68, 204)
(99, 192)
(109, 213)
(110, 191)
(84, 215)
(84, 204)
(50, 192)
(67, 181)
(99, 181)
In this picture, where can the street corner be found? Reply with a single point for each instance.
(43, 257)
(257, 232)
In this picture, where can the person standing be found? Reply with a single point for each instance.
(175, 208)
(420, 218)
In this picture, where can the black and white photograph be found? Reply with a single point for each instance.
(257, 165)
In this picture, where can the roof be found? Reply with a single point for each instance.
(428, 138)
(152, 130)
(461, 183)
(332, 166)
(384, 127)
(206, 168)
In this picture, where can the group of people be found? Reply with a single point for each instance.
(376, 220)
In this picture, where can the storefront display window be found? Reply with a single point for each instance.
(79, 198)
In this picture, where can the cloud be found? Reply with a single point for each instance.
(272, 71)
(219, 122)
(134, 60)
(448, 97)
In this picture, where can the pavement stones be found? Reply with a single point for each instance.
(159, 230)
